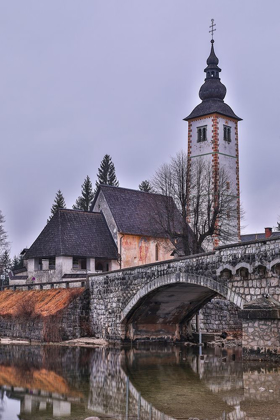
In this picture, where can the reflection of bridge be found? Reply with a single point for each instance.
(183, 380)
(127, 384)
(158, 300)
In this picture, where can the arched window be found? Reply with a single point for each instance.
(202, 133)
(227, 133)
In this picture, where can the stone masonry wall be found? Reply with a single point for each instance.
(69, 323)
(219, 315)
(262, 336)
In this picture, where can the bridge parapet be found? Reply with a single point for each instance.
(239, 272)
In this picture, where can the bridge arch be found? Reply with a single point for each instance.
(177, 279)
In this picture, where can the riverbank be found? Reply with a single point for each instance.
(77, 342)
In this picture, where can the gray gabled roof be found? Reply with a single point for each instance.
(258, 236)
(74, 233)
(141, 213)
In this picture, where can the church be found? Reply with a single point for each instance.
(120, 231)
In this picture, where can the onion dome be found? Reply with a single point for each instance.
(212, 92)
(212, 87)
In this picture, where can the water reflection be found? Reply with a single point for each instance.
(145, 383)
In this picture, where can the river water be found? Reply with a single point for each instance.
(150, 382)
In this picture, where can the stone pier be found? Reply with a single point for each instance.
(261, 329)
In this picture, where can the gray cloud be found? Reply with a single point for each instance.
(81, 79)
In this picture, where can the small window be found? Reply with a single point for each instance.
(52, 263)
(79, 263)
(98, 266)
(75, 263)
(227, 133)
(228, 185)
(201, 133)
(156, 252)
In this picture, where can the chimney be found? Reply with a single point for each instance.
(268, 232)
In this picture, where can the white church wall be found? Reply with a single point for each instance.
(229, 148)
(203, 147)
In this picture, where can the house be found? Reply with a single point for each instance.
(123, 229)
(268, 233)
(72, 244)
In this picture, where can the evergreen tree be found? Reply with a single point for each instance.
(145, 186)
(59, 203)
(85, 200)
(6, 265)
(15, 263)
(106, 173)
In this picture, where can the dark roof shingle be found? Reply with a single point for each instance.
(211, 106)
(74, 233)
(141, 213)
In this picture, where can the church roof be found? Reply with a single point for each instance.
(212, 92)
(140, 213)
(212, 106)
(74, 233)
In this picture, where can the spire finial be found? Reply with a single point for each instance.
(212, 30)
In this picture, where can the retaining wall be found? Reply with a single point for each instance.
(65, 321)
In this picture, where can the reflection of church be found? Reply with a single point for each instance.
(36, 404)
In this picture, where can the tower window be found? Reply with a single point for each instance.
(227, 133)
(201, 133)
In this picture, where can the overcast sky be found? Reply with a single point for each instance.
(80, 79)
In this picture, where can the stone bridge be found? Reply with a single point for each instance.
(159, 300)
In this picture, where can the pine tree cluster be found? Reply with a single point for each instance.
(106, 176)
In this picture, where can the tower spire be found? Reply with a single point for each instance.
(212, 93)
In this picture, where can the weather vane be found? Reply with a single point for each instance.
(212, 27)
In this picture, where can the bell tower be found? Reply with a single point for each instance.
(213, 137)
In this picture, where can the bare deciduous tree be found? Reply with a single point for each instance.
(3, 235)
(171, 180)
(206, 204)
(212, 207)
